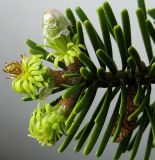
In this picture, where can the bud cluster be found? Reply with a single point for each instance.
(47, 124)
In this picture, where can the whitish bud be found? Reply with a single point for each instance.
(54, 24)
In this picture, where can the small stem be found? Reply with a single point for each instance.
(128, 78)
(109, 79)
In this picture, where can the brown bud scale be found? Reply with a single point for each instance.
(68, 103)
(127, 126)
(13, 68)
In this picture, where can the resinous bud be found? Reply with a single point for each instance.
(54, 24)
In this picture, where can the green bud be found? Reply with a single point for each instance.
(33, 76)
(47, 124)
(67, 55)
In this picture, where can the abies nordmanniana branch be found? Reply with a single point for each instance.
(78, 77)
